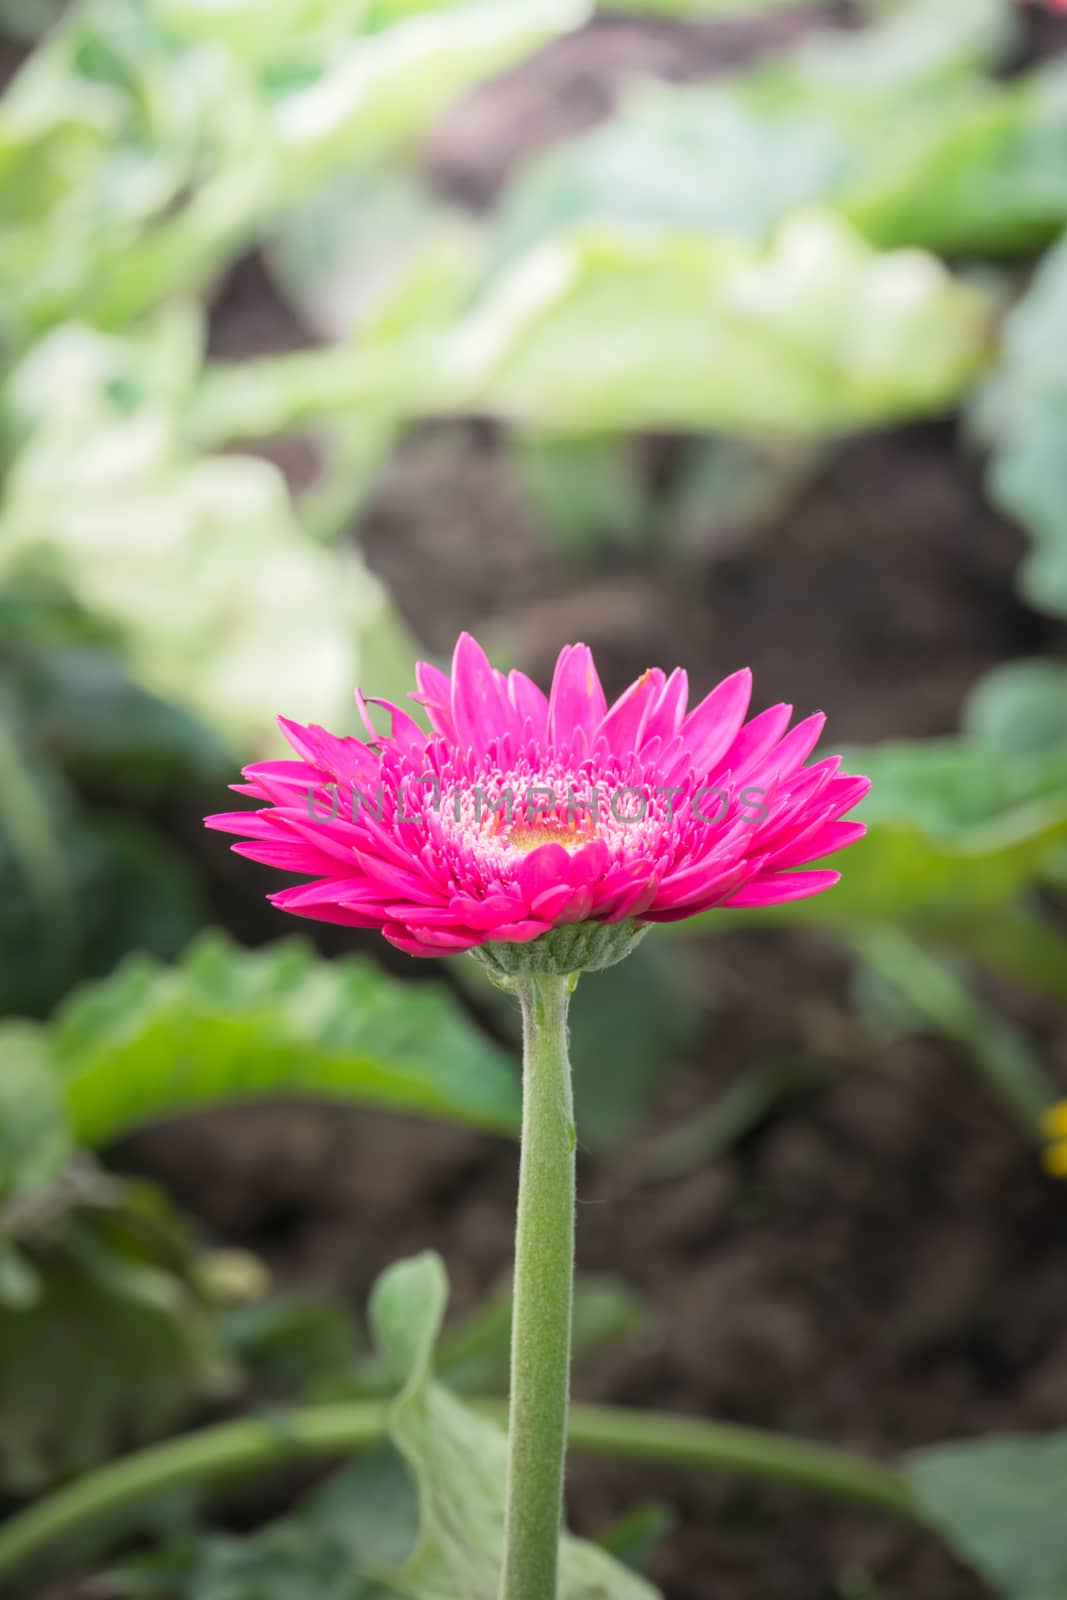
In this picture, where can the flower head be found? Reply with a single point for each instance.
(1054, 1128)
(520, 813)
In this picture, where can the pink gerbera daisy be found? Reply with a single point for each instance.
(520, 813)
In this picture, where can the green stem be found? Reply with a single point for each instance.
(97, 1509)
(543, 1292)
(662, 1439)
(112, 1500)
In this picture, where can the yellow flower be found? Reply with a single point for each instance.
(1054, 1128)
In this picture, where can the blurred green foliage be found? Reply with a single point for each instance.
(89, 1266)
(1023, 413)
(906, 988)
(999, 1502)
(86, 1259)
(602, 329)
(227, 1024)
(901, 128)
(143, 146)
(105, 498)
(421, 1516)
(963, 833)
(88, 755)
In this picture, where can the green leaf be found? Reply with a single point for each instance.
(1021, 708)
(457, 1459)
(116, 1275)
(27, 19)
(753, 1099)
(1024, 414)
(144, 146)
(1000, 1504)
(134, 891)
(291, 1342)
(896, 126)
(938, 997)
(35, 855)
(375, 251)
(88, 716)
(629, 1029)
(227, 1024)
(960, 831)
(74, 704)
(638, 1533)
(245, 625)
(82, 880)
(288, 1560)
(728, 492)
(611, 326)
(20, 1285)
(78, 887)
(602, 328)
(34, 1135)
(958, 31)
(473, 1356)
(584, 492)
(956, 834)
(696, 8)
(420, 1518)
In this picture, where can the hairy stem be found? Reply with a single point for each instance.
(543, 1292)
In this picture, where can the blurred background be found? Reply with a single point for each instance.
(709, 333)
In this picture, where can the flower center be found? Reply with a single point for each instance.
(526, 836)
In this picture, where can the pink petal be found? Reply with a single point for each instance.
(590, 862)
(253, 824)
(323, 891)
(296, 774)
(753, 742)
(435, 694)
(795, 748)
(544, 868)
(576, 701)
(290, 855)
(429, 941)
(846, 791)
(577, 908)
(715, 889)
(325, 910)
(404, 732)
(635, 901)
(530, 702)
(550, 903)
(394, 879)
(711, 728)
(824, 841)
(779, 887)
(481, 710)
(494, 911)
(667, 714)
(345, 759)
(523, 932)
(624, 723)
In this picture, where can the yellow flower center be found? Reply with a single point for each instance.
(526, 836)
